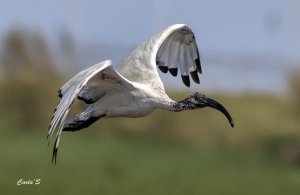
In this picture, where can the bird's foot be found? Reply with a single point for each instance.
(76, 124)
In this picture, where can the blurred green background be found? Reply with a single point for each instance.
(192, 152)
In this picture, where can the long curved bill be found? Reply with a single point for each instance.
(216, 105)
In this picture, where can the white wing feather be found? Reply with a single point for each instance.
(173, 48)
(179, 51)
(96, 79)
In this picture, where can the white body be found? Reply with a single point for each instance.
(134, 88)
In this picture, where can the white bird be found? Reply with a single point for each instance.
(134, 88)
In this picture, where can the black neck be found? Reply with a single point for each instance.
(184, 105)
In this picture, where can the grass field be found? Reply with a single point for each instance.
(179, 153)
(88, 165)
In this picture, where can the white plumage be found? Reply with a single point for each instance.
(134, 88)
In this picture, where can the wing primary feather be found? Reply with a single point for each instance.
(192, 49)
(163, 48)
(59, 93)
(181, 62)
(186, 80)
(188, 60)
(54, 154)
(54, 122)
(163, 53)
(173, 71)
(173, 54)
(58, 135)
(198, 64)
(195, 77)
(164, 69)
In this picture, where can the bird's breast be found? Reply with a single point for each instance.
(133, 104)
(132, 110)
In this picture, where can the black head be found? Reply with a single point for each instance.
(198, 100)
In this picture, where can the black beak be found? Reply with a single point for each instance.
(216, 105)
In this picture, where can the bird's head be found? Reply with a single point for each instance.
(198, 100)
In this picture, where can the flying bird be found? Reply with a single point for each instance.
(134, 88)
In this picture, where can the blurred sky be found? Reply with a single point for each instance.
(255, 41)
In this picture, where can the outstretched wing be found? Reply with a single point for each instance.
(179, 51)
(171, 49)
(89, 85)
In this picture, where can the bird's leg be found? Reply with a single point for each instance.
(79, 122)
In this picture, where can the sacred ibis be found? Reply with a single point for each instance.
(134, 88)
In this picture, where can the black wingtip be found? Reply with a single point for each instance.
(164, 69)
(54, 155)
(195, 77)
(198, 65)
(173, 71)
(59, 93)
(186, 80)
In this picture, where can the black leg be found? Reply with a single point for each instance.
(76, 124)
